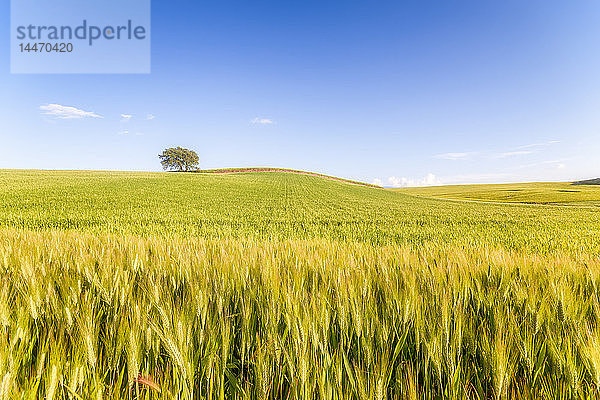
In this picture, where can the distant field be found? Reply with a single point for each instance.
(279, 285)
(529, 193)
(279, 205)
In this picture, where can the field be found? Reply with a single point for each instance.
(527, 193)
(280, 285)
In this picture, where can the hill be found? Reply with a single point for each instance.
(588, 182)
(285, 170)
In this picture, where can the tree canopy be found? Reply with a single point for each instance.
(179, 159)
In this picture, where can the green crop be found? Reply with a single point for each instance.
(278, 285)
(271, 205)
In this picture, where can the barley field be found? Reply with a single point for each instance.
(528, 193)
(273, 285)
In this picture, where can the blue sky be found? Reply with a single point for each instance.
(398, 92)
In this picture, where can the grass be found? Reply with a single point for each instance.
(278, 285)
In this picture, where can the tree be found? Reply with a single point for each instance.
(179, 159)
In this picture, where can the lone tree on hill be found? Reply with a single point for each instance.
(179, 159)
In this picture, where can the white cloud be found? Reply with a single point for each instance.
(429, 180)
(125, 132)
(262, 121)
(377, 182)
(454, 156)
(561, 166)
(479, 177)
(126, 117)
(64, 112)
(514, 153)
(150, 117)
(533, 145)
(543, 163)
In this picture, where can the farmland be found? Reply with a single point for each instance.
(280, 285)
(272, 205)
(527, 193)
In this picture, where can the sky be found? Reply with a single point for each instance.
(399, 93)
